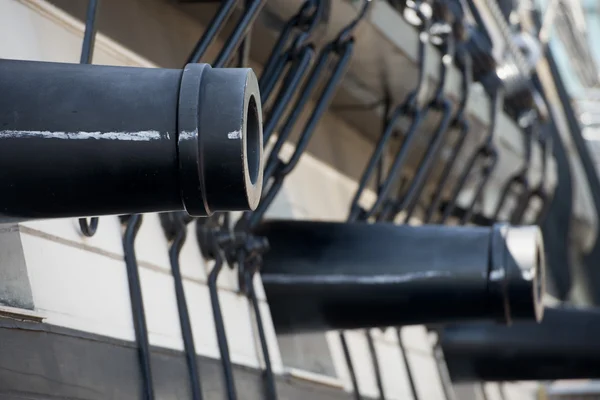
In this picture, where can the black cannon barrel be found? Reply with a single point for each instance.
(84, 140)
(565, 345)
(327, 275)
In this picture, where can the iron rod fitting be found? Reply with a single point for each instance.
(87, 140)
(329, 275)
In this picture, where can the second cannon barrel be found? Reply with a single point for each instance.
(328, 275)
(85, 140)
(565, 345)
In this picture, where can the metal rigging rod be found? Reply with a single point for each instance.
(410, 106)
(175, 229)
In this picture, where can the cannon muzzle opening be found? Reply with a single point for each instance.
(85, 140)
(327, 275)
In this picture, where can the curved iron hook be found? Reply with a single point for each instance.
(88, 229)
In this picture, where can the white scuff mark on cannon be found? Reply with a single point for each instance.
(357, 279)
(188, 134)
(125, 136)
(497, 275)
(234, 135)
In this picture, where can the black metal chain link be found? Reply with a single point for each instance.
(485, 158)
(290, 50)
(518, 184)
(540, 191)
(486, 155)
(374, 166)
(132, 225)
(462, 124)
(341, 47)
(235, 38)
(408, 199)
(368, 334)
(175, 224)
(339, 51)
(442, 104)
(214, 234)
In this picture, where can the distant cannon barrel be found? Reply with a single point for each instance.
(565, 345)
(86, 140)
(327, 275)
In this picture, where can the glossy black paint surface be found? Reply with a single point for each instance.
(322, 275)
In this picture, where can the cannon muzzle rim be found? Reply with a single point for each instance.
(220, 139)
(252, 137)
(517, 272)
